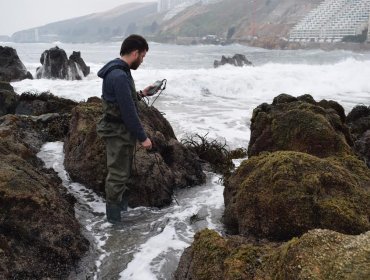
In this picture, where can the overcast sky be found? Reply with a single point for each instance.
(18, 15)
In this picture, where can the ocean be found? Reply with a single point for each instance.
(198, 99)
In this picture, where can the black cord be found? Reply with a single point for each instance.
(163, 87)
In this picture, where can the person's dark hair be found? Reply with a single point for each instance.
(132, 43)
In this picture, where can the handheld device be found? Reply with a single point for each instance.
(156, 86)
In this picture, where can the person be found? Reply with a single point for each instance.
(120, 126)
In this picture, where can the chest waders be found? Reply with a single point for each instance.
(120, 145)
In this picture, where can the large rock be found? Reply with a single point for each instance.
(76, 57)
(11, 67)
(8, 99)
(43, 103)
(300, 124)
(236, 60)
(56, 65)
(40, 237)
(318, 254)
(155, 175)
(284, 194)
(32, 103)
(359, 122)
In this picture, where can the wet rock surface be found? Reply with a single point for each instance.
(8, 99)
(359, 122)
(11, 67)
(318, 254)
(40, 237)
(76, 57)
(34, 104)
(300, 124)
(155, 174)
(43, 103)
(236, 60)
(56, 65)
(284, 194)
(302, 174)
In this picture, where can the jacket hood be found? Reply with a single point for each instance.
(113, 63)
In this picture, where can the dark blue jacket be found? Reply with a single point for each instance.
(116, 89)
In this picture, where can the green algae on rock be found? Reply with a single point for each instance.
(318, 254)
(212, 257)
(155, 175)
(284, 194)
(300, 124)
(40, 237)
(321, 254)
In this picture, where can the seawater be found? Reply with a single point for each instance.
(198, 99)
(218, 101)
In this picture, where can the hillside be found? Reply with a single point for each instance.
(262, 23)
(109, 25)
(240, 20)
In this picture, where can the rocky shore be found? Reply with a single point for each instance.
(40, 237)
(297, 208)
(54, 65)
(297, 204)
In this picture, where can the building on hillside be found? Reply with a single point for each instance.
(332, 20)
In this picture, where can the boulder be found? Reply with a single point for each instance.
(76, 57)
(359, 122)
(318, 254)
(11, 67)
(50, 115)
(237, 60)
(300, 124)
(322, 254)
(155, 174)
(56, 65)
(43, 103)
(284, 194)
(8, 99)
(40, 237)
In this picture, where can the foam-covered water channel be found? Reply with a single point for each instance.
(150, 242)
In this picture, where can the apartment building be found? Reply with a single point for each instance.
(332, 20)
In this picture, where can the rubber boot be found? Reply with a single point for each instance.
(124, 203)
(113, 212)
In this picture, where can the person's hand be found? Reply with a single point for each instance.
(147, 144)
(147, 89)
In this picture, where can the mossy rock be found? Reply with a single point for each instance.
(321, 254)
(8, 99)
(6, 86)
(154, 175)
(284, 194)
(318, 254)
(36, 104)
(359, 120)
(40, 237)
(212, 257)
(300, 124)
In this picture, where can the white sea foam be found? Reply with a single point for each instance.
(221, 101)
(175, 231)
(89, 203)
(169, 232)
